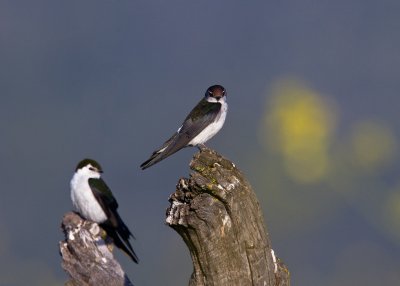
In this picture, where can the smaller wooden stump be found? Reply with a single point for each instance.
(86, 257)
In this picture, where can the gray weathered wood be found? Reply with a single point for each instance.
(218, 216)
(86, 257)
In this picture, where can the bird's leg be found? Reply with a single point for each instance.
(202, 147)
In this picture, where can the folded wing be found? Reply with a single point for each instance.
(199, 118)
(114, 226)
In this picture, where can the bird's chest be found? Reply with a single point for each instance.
(212, 129)
(85, 202)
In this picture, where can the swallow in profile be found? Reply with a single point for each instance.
(93, 199)
(202, 123)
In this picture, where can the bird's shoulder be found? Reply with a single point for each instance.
(102, 192)
(202, 109)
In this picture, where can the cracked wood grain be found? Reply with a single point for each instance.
(86, 257)
(218, 216)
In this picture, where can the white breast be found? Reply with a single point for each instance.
(84, 201)
(211, 129)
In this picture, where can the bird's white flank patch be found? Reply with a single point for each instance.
(162, 150)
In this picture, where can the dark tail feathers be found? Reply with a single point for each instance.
(171, 146)
(155, 158)
(120, 237)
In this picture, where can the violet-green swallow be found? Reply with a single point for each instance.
(93, 199)
(202, 123)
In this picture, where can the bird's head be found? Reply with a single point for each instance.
(89, 168)
(216, 93)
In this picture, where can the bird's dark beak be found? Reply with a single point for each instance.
(100, 171)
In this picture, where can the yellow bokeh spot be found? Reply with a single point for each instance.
(392, 215)
(373, 144)
(394, 208)
(298, 124)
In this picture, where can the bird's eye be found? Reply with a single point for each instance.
(210, 92)
(92, 169)
(223, 91)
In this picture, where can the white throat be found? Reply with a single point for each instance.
(214, 100)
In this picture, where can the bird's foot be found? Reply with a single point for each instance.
(202, 147)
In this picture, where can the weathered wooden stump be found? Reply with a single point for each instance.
(86, 257)
(218, 216)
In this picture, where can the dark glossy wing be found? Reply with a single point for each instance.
(114, 226)
(103, 195)
(199, 118)
(120, 237)
(159, 154)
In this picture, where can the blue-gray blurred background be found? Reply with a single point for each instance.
(313, 90)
